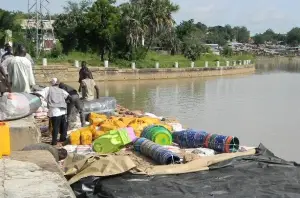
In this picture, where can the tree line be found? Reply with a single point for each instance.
(292, 38)
(128, 31)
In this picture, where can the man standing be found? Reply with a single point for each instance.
(83, 70)
(87, 86)
(74, 102)
(20, 73)
(56, 100)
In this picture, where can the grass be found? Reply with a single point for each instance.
(165, 60)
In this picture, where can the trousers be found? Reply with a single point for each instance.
(59, 125)
(78, 104)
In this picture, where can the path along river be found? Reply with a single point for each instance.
(259, 108)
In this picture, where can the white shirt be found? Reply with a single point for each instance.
(53, 112)
(20, 74)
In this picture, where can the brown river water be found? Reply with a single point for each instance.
(259, 108)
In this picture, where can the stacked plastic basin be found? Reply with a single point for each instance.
(158, 134)
(156, 152)
(197, 139)
(190, 138)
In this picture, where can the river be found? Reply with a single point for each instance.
(259, 108)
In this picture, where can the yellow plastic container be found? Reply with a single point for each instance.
(112, 124)
(96, 119)
(5, 149)
(138, 126)
(86, 137)
(126, 120)
(75, 137)
(150, 120)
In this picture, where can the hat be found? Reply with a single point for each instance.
(54, 81)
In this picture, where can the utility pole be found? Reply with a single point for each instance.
(39, 24)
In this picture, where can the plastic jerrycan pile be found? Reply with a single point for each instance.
(4, 139)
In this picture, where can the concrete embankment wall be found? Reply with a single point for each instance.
(70, 74)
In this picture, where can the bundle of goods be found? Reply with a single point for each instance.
(103, 105)
(156, 152)
(42, 111)
(96, 119)
(197, 139)
(83, 136)
(15, 106)
(140, 123)
(113, 123)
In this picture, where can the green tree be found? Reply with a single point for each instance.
(269, 35)
(185, 28)
(259, 39)
(242, 34)
(70, 27)
(293, 37)
(158, 15)
(103, 21)
(227, 51)
(193, 46)
(133, 28)
(201, 26)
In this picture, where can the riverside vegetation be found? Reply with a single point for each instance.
(130, 32)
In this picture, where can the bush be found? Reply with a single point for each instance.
(193, 52)
(227, 51)
(57, 50)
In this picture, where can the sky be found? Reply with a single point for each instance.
(256, 15)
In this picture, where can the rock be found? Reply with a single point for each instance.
(24, 132)
(25, 179)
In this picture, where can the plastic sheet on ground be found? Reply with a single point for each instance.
(124, 161)
(260, 175)
(97, 165)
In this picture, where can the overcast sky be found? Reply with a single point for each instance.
(257, 15)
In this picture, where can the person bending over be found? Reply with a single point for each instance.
(74, 102)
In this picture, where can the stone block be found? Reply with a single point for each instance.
(1, 178)
(43, 159)
(25, 179)
(24, 132)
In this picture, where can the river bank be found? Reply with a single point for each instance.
(70, 74)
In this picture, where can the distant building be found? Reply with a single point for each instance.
(214, 48)
(48, 36)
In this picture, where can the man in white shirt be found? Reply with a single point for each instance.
(20, 73)
(56, 100)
